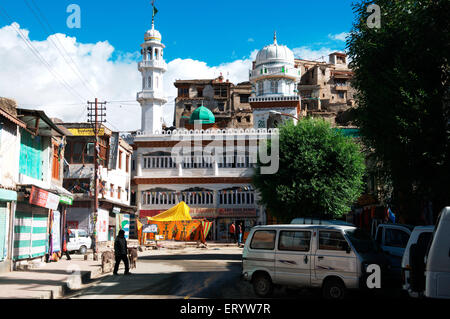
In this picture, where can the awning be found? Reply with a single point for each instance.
(7, 195)
(12, 118)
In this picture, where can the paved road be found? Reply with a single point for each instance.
(187, 273)
(191, 273)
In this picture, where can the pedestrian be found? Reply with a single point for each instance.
(66, 241)
(121, 250)
(240, 231)
(232, 232)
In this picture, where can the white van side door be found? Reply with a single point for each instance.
(331, 258)
(293, 258)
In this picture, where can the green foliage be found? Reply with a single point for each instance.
(320, 172)
(402, 79)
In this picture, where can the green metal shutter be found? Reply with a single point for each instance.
(3, 234)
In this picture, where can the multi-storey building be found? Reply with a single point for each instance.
(325, 89)
(114, 171)
(228, 102)
(32, 199)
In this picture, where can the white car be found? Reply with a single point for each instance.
(79, 241)
(413, 260)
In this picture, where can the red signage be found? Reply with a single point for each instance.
(237, 212)
(42, 198)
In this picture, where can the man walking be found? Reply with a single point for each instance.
(120, 250)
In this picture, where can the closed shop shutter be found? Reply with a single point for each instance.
(3, 234)
(30, 232)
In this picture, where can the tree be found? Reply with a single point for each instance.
(401, 74)
(320, 172)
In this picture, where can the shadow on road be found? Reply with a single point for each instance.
(193, 257)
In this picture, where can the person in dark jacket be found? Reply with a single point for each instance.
(120, 250)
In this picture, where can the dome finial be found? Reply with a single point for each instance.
(275, 37)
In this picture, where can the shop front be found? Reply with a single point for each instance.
(32, 223)
(7, 199)
(245, 216)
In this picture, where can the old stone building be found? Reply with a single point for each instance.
(228, 102)
(325, 89)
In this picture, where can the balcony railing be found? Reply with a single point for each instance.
(152, 64)
(150, 95)
(274, 98)
(292, 72)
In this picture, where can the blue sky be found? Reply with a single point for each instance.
(208, 30)
(203, 38)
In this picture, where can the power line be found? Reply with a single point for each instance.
(72, 65)
(37, 54)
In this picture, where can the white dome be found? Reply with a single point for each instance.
(152, 35)
(275, 53)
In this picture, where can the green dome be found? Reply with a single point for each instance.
(202, 114)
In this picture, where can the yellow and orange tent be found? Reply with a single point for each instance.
(176, 224)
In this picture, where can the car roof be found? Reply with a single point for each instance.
(303, 226)
(429, 227)
(410, 227)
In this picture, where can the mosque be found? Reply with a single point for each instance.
(215, 184)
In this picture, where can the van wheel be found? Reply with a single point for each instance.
(262, 285)
(83, 250)
(333, 289)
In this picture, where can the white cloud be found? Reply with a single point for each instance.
(307, 53)
(29, 82)
(25, 79)
(338, 37)
(251, 40)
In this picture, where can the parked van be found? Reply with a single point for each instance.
(437, 270)
(78, 241)
(393, 238)
(413, 264)
(333, 257)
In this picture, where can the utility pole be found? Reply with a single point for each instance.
(96, 118)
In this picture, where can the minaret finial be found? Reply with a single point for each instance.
(275, 37)
(154, 11)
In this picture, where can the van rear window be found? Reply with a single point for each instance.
(263, 239)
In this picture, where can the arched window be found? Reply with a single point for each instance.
(274, 86)
(149, 82)
(149, 53)
(260, 88)
(143, 83)
(157, 81)
(156, 54)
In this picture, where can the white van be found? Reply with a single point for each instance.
(78, 241)
(413, 264)
(437, 270)
(333, 257)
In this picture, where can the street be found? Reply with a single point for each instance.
(193, 273)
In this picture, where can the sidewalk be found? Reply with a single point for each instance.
(54, 280)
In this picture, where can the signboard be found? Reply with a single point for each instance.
(102, 225)
(56, 232)
(66, 200)
(237, 212)
(116, 210)
(42, 198)
(203, 213)
(86, 131)
(150, 228)
(113, 150)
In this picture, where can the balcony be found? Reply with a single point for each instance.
(276, 71)
(341, 88)
(158, 64)
(150, 95)
(274, 98)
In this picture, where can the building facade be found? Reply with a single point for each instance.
(325, 89)
(228, 102)
(114, 171)
(32, 199)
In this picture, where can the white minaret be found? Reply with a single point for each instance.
(152, 68)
